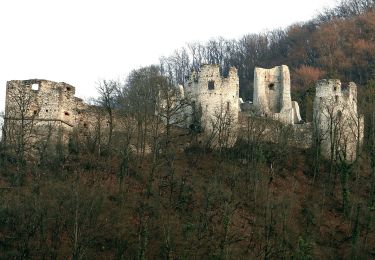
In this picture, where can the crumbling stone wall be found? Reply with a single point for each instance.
(46, 104)
(42, 106)
(172, 107)
(337, 122)
(272, 96)
(45, 113)
(261, 129)
(47, 100)
(215, 99)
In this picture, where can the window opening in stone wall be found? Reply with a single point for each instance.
(336, 98)
(46, 110)
(35, 86)
(228, 105)
(68, 89)
(334, 88)
(339, 113)
(271, 86)
(35, 112)
(211, 85)
(66, 113)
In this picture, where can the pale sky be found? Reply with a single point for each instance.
(79, 42)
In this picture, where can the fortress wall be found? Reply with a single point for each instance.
(268, 130)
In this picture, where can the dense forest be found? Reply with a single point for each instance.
(153, 191)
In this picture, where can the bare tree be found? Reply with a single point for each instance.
(176, 67)
(138, 99)
(2, 140)
(20, 114)
(171, 108)
(95, 134)
(220, 129)
(107, 96)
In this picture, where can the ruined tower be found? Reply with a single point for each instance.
(272, 95)
(215, 98)
(336, 120)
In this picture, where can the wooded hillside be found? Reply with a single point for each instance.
(153, 191)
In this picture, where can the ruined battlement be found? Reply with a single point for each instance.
(330, 87)
(332, 90)
(210, 74)
(209, 86)
(212, 93)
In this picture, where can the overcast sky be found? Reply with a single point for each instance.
(79, 42)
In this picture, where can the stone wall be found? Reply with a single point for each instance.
(214, 98)
(43, 100)
(272, 95)
(262, 129)
(214, 94)
(42, 104)
(39, 106)
(336, 119)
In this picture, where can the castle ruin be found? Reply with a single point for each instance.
(213, 108)
(43, 109)
(45, 101)
(214, 99)
(272, 96)
(337, 123)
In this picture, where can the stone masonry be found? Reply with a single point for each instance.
(337, 122)
(215, 99)
(214, 109)
(272, 96)
(44, 103)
